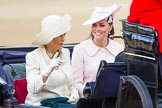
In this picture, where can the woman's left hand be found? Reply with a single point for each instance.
(73, 98)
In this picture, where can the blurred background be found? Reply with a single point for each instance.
(20, 20)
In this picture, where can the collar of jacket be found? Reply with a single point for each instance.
(92, 49)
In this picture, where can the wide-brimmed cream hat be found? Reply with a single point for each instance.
(100, 13)
(52, 26)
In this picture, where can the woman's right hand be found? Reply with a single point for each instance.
(54, 63)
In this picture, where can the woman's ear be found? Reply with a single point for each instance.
(111, 29)
(111, 26)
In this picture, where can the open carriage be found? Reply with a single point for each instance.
(132, 81)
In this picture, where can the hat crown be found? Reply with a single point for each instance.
(49, 22)
(105, 9)
(101, 13)
(52, 26)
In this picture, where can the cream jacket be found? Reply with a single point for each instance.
(86, 59)
(58, 82)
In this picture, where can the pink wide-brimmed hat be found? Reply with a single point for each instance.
(52, 26)
(100, 13)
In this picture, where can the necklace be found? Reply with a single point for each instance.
(50, 55)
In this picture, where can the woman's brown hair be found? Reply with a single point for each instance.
(112, 32)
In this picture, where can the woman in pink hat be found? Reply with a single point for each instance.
(87, 55)
(48, 70)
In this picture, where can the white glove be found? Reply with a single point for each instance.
(54, 63)
(73, 98)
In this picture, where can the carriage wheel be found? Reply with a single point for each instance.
(140, 87)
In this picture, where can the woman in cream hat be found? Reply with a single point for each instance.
(99, 47)
(48, 71)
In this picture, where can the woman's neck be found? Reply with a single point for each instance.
(101, 43)
(50, 49)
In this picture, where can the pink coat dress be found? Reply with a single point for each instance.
(86, 59)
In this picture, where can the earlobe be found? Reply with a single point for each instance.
(111, 27)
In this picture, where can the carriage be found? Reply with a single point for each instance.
(132, 81)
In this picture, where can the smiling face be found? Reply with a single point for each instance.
(101, 29)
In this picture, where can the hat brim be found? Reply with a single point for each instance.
(101, 16)
(63, 26)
